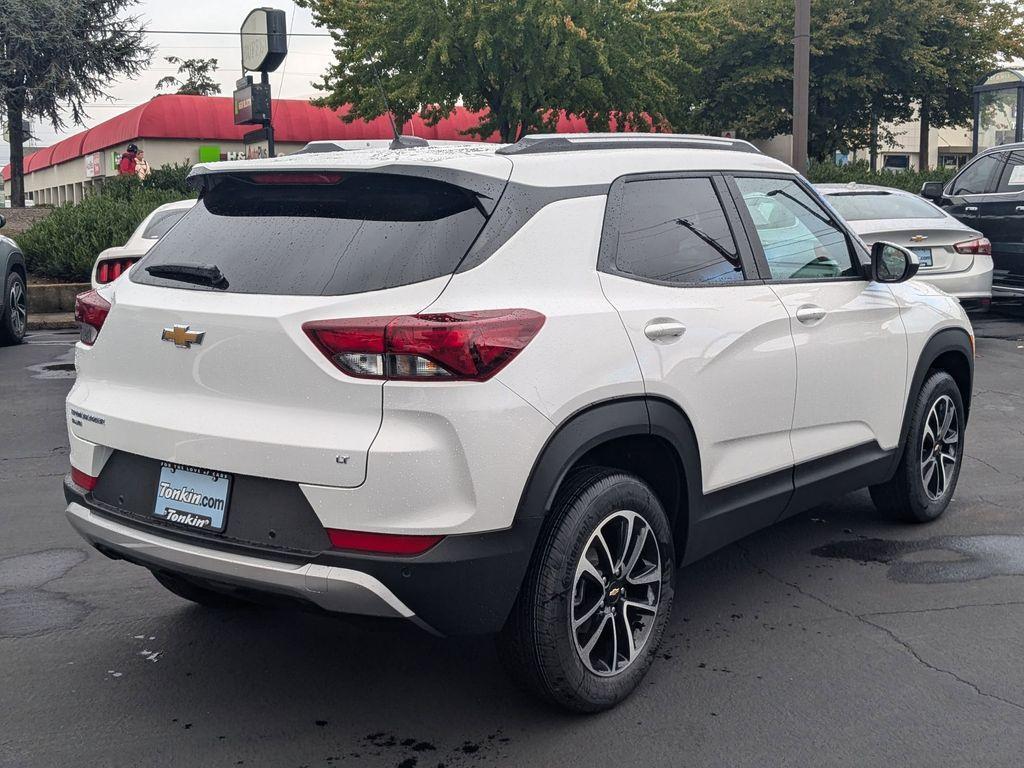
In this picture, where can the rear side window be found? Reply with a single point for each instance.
(1011, 180)
(676, 231)
(320, 234)
(978, 178)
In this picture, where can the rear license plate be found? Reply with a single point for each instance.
(192, 497)
(924, 255)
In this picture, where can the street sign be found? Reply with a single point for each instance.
(264, 40)
(251, 102)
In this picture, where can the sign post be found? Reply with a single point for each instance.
(264, 39)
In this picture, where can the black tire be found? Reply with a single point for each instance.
(14, 319)
(906, 496)
(538, 646)
(208, 598)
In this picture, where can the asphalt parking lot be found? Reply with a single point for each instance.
(836, 638)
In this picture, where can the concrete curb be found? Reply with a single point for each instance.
(51, 321)
(49, 298)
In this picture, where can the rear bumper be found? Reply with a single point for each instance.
(329, 587)
(464, 585)
(974, 283)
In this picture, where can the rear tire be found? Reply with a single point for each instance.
(191, 591)
(603, 567)
(926, 477)
(14, 319)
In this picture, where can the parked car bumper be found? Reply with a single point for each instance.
(973, 283)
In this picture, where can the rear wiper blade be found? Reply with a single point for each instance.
(198, 274)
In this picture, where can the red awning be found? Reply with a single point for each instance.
(210, 118)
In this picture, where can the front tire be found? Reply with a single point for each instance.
(592, 611)
(928, 471)
(14, 320)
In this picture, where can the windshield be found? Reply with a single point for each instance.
(862, 206)
(318, 234)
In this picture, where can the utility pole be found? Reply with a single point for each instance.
(801, 83)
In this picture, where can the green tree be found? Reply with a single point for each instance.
(194, 77)
(520, 61)
(54, 56)
(857, 59)
(961, 40)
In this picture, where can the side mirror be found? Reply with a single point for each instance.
(3, 221)
(891, 263)
(932, 190)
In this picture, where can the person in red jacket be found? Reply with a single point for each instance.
(126, 165)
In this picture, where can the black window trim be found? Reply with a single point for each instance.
(608, 248)
(858, 254)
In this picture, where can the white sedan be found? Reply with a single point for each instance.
(953, 256)
(113, 262)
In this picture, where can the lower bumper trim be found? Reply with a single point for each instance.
(332, 588)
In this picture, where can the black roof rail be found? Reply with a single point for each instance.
(537, 143)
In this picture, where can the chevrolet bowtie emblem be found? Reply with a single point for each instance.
(918, 238)
(182, 336)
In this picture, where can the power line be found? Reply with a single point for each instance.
(214, 32)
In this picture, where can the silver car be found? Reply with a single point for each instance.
(953, 256)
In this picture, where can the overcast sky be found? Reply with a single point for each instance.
(307, 56)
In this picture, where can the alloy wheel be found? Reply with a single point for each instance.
(940, 447)
(616, 593)
(18, 307)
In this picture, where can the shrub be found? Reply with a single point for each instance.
(65, 244)
(860, 172)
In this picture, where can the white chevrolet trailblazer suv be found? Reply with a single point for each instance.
(504, 389)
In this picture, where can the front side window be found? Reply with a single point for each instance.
(978, 178)
(676, 231)
(799, 239)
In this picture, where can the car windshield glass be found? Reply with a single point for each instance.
(161, 222)
(861, 206)
(318, 234)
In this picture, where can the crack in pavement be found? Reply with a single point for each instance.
(993, 467)
(1007, 604)
(862, 618)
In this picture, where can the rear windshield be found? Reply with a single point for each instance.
(343, 233)
(161, 222)
(862, 206)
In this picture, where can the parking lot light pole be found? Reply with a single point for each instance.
(801, 83)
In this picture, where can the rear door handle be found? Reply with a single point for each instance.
(971, 208)
(810, 314)
(664, 329)
(1019, 209)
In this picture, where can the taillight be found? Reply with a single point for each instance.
(381, 543)
(458, 346)
(82, 480)
(90, 311)
(980, 246)
(108, 271)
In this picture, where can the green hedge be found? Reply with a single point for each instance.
(828, 173)
(65, 244)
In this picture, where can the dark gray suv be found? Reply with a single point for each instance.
(14, 299)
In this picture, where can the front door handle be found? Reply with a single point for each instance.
(664, 329)
(810, 314)
(971, 208)
(1019, 209)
